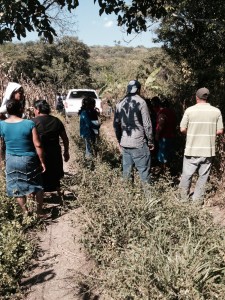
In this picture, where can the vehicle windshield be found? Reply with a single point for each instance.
(82, 94)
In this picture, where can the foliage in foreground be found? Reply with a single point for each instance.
(16, 248)
(147, 247)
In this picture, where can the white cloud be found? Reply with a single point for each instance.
(108, 24)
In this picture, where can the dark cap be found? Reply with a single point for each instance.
(133, 87)
(202, 93)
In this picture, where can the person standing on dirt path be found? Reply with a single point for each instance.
(165, 134)
(50, 130)
(88, 127)
(133, 129)
(201, 123)
(24, 157)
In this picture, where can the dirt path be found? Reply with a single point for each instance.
(61, 257)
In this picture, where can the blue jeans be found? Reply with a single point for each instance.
(166, 150)
(23, 175)
(89, 146)
(140, 158)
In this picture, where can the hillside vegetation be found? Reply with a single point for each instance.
(144, 248)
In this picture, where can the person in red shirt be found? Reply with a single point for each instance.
(165, 133)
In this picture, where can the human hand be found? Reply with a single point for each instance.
(151, 147)
(43, 167)
(157, 136)
(66, 156)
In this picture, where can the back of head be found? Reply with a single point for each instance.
(156, 102)
(14, 107)
(42, 106)
(202, 93)
(165, 102)
(87, 103)
(133, 87)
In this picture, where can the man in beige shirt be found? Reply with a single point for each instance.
(201, 123)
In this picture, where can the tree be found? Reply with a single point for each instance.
(193, 33)
(62, 64)
(19, 16)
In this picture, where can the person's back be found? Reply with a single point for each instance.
(201, 131)
(49, 129)
(133, 129)
(17, 137)
(94, 114)
(135, 119)
(59, 103)
(169, 129)
(201, 123)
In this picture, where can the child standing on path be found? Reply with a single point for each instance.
(87, 127)
(94, 114)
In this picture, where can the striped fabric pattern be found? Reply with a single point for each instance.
(202, 122)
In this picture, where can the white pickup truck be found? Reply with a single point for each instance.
(74, 98)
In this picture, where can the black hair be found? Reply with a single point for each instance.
(165, 102)
(155, 101)
(42, 106)
(86, 103)
(14, 107)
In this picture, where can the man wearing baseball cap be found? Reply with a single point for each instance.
(133, 130)
(201, 123)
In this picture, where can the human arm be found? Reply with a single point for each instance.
(184, 123)
(219, 132)
(220, 129)
(183, 130)
(65, 140)
(147, 125)
(38, 147)
(117, 125)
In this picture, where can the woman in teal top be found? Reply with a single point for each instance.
(24, 157)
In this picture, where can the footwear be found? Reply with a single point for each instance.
(198, 202)
(43, 216)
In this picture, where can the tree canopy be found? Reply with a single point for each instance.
(62, 64)
(19, 16)
(191, 32)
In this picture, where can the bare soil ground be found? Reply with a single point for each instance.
(61, 256)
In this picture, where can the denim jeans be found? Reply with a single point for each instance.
(89, 146)
(190, 165)
(140, 158)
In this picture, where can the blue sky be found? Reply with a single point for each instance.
(96, 30)
(92, 29)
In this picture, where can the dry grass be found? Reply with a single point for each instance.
(145, 247)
